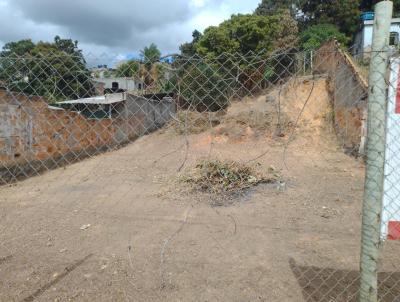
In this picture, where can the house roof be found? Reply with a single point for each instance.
(103, 99)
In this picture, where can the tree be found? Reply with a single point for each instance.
(150, 54)
(368, 5)
(128, 69)
(55, 70)
(189, 48)
(315, 35)
(272, 7)
(204, 87)
(68, 46)
(342, 13)
(249, 33)
(19, 48)
(230, 57)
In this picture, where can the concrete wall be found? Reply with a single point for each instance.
(140, 116)
(368, 32)
(349, 92)
(363, 39)
(34, 137)
(123, 83)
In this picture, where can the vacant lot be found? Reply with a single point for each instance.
(122, 227)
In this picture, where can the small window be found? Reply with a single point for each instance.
(115, 85)
(394, 38)
(140, 86)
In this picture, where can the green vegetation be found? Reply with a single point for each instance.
(342, 13)
(149, 70)
(271, 7)
(150, 55)
(242, 34)
(128, 69)
(204, 87)
(55, 70)
(189, 48)
(315, 35)
(226, 57)
(368, 5)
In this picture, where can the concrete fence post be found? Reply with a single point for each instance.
(373, 190)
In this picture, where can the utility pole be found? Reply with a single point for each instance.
(376, 138)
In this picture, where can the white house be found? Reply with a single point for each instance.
(363, 40)
(127, 84)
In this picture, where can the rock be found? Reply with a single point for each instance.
(85, 227)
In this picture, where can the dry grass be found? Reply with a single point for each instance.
(228, 177)
(260, 123)
(193, 122)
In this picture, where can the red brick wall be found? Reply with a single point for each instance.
(52, 132)
(34, 137)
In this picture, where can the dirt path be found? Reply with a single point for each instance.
(118, 227)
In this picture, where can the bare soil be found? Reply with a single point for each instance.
(121, 227)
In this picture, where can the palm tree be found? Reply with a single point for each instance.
(151, 55)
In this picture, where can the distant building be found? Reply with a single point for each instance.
(363, 40)
(112, 85)
(101, 71)
(155, 108)
(95, 107)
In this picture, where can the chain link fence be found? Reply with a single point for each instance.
(233, 177)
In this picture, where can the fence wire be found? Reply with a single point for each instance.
(227, 178)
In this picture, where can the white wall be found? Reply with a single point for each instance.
(124, 83)
(368, 32)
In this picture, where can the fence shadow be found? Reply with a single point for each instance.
(335, 285)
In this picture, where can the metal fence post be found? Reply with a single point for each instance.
(373, 190)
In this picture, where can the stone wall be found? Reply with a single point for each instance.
(349, 92)
(35, 137)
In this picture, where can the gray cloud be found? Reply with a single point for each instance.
(118, 26)
(105, 22)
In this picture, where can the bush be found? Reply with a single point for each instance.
(314, 36)
(128, 69)
(204, 87)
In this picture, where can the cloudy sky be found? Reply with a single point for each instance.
(118, 27)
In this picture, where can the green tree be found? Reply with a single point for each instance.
(189, 48)
(226, 59)
(249, 33)
(68, 46)
(204, 87)
(368, 5)
(55, 70)
(19, 48)
(272, 7)
(128, 69)
(150, 55)
(342, 13)
(315, 35)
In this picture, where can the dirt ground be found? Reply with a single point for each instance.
(121, 227)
